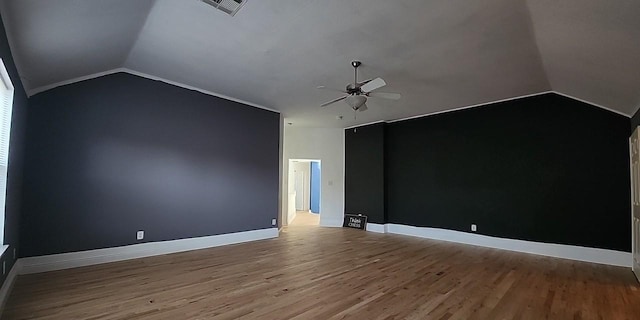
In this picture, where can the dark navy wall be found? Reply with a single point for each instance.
(16, 155)
(120, 153)
(545, 168)
(364, 172)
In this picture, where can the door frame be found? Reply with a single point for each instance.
(634, 173)
(289, 216)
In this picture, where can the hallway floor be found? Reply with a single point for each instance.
(305, 218)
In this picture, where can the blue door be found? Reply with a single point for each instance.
(315, 187)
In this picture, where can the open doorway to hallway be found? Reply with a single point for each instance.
(304, 192)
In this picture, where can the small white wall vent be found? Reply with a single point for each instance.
(231, 7)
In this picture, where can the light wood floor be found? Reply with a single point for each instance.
(332, 273)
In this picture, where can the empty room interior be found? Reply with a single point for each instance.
(306, 159)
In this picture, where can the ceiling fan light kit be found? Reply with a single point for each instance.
(357, 93)
(356, 101)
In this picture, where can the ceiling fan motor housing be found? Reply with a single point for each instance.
(354, 88)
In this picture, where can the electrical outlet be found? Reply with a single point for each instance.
(273, 222)
(140, 235)
(474, 228)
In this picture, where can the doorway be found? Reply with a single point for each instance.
(305, 190)
(634, 152)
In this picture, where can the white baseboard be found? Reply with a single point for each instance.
(92, 257)
(334, 223)
(8, 284)
(594, 255)
(376, 227)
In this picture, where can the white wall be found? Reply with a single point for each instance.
(326, 145)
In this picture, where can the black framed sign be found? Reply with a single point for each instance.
(356, 221)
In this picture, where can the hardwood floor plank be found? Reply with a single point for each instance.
(332, 273)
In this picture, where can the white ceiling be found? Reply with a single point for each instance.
(54, 41)
(591, 49)
(439, 55)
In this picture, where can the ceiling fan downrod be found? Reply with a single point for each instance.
(355, 65)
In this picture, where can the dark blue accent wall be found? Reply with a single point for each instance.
(110, 156)
(544, 168)
(16, 155)
(365, 172)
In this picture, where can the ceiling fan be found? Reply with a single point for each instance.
(358, 92)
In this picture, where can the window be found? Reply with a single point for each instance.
(6, 105)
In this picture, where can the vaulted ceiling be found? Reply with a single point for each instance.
(440, 55)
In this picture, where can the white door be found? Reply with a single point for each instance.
(634, 149)
(299, 187)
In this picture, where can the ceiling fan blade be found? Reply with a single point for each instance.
(333, 101)
(363, 108)
(373, 84)
(330, 89)
(385, 95)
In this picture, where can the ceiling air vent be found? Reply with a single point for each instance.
(228, 6)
